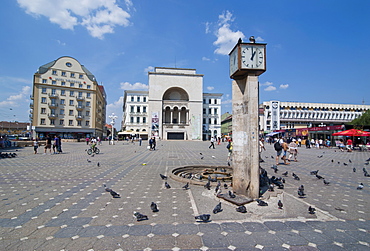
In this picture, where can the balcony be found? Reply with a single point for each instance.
(80, 117)
(31, 105)
(80, 107)
(80, 98)
(52, 115)
(53, 105)
(30, 116)
(31, 97)
(53, 95)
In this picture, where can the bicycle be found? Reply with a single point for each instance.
(92, 150)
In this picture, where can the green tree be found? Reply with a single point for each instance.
(363, 120)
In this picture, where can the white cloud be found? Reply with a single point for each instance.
(99, 17)
(226, 38)
(116, 108)
(210, 88)
(270, 88)
(266, 83)
(136, 86)
(17, 99)
(205, 59)
(148, 69)
(284, 86)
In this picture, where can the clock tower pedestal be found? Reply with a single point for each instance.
(245, 136)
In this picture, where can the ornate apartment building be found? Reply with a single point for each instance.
(174, 107)
(67, 101)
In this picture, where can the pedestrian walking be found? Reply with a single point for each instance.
(48, 144)
(35, 145)
(293, 151)
(212, 143)
(229, 151)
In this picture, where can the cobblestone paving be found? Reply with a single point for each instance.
(58, 202)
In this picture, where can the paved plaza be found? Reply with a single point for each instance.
(58, 202)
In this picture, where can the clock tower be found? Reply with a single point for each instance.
(247, 62)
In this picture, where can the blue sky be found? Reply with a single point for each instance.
(317, 51)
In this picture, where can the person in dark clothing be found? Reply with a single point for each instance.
(48, 144)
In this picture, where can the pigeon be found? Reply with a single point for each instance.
(203, 217)
(202, 158)
(326, 182)
(114, 194)
(301, 191)
(280, 204)
(261, 203)
(271, 187)
(225, 186)
(213, 157)
(98, 164)
(338, 162)
(319, 177)
(140, 217)
(368, 159)
(364, 170)
(154, 207)
(272, 157)
(164, 177)
(167, 185)
(360, 186)
(208, 185)
(345, 164)
(285, 173)
(217, 187)
(88, 160)
(367, 163)
(275, 168)
(354, 170)
(332, 160)
(350, 161)
(231, 195)
(320, 156)
(311, 210)
(186, 187)
(107, 189)
(217, 208)
(201, 153)
(241, 209)
(314, 172)
(283, 180)
(295, 176)
(366, 174)
(228, 163)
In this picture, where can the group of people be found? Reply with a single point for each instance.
(283, 148)
(152, 144)
(55, 143)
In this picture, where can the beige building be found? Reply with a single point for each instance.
(67, 101)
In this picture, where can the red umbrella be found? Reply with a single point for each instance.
(352, 132)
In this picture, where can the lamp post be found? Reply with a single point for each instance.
(113, 118)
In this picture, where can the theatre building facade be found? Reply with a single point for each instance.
(174, 107)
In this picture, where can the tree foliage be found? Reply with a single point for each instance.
(363, 120)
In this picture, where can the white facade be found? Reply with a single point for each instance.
(285, 115)
(174, 107)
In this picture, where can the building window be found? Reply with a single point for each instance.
(204, 120)
(88, 86)
(44, 81)
(62, 101)
(79, 123)
(87, 113)
(80, 94)
(70, 112)
(71, 93)
(81, 76)
(215, 122)
(72, 75)
(72, 84)
(215, 110)
(63, 92)
(71, 102)
(52, 122)
(209, 101)
(209, 121)
(144, 109)
(204, 101)
(88, 95)
(79, 85)
(204, 111)
(63, 73)
(70, 122)
(144, 99)
(43, 110)
(61, 111)
(138, 99)
(63, 83)
(88, 103)
(43, 100)
(43, 90)
(209, 110)
(144, 120)
(215, 101)
(87, 123)
(138, 109)
(54, 72)
(53, 82)
(42, 121)
(61, 122)
(132, 98)
(132, 108)
(53, 91)
(138, 120)
(132, 119)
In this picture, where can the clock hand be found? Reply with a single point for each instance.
(253, 53)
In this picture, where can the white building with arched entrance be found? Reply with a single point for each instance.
(176, 107)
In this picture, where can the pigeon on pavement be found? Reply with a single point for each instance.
(311, 210)
(360, 187)
(280, 204)
(203, 217)
(217, 208)
(167, 185)
(241, 209)
(154, 207)
(164, 177)
(140, 217)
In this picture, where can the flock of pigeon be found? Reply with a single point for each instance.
(7, 155)
(272, 182)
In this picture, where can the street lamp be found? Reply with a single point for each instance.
(113, 118)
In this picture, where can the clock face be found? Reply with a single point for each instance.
(253, 56)
(233, 61)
